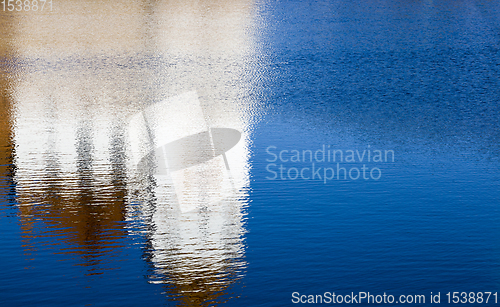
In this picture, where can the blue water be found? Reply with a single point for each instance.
(419, 78)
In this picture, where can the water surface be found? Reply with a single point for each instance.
(93, 93)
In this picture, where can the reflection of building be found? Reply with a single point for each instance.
(88, 68)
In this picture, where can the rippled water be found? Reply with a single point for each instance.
(137, 146)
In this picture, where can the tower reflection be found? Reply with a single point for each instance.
(78, 144)
(197, 201)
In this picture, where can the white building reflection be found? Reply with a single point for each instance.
(99, 88)
(194, 188)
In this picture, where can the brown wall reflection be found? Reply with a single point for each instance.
(7, 168)
(80, 209)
